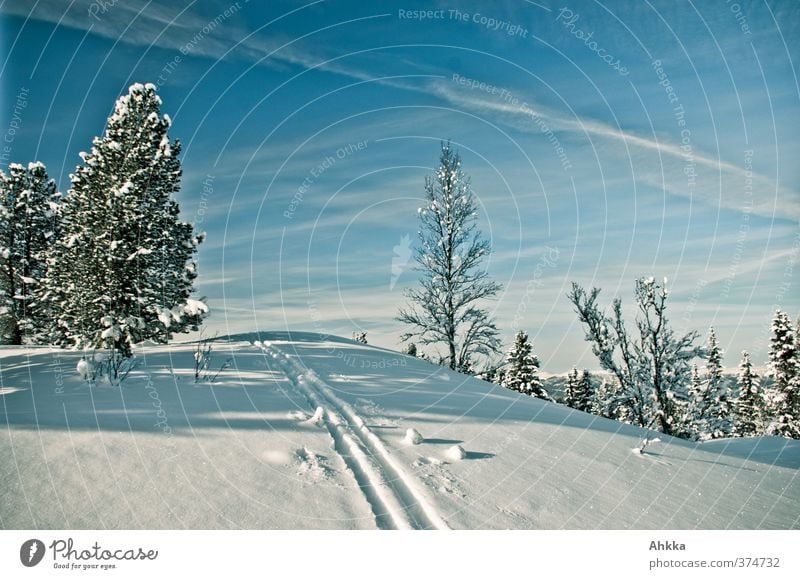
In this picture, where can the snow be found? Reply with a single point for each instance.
(162, 452)
(195, 307)
(316, 419)
(413, 437)
(83, 368)
(165, 317)
(456, 452)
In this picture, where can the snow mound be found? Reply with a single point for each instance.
(413, 437)
(317, 418)
(456, 452)
(83, 369)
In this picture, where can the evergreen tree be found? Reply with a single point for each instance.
(571, 388)
(122, 271)
(584, 400)
(579, 393)
(610, 401)
(599, 406)
(28, 227)
(749, 405)
(445, 309)
(718, 404)
(522, 369)
(784, 398)
(695, 421)
(411, 350)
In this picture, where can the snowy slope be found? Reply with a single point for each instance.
(310, 432)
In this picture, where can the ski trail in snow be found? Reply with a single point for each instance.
(395, 496)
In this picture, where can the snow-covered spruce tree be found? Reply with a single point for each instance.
(784, 364)
(749, 407)
(718, 411)
(522, 369)
(579, 393)
(123, 268)
(652, 369)
(444, 310)
(571, 388)
(28, 227)
(610, 401)
(584, 400)
(694, 422)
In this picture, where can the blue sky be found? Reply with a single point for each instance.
(604, 142)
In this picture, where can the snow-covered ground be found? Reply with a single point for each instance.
(306, 432)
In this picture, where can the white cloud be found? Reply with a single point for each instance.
(655, 163)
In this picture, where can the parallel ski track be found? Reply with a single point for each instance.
(395, 497)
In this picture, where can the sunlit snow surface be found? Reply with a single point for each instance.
(304, 431)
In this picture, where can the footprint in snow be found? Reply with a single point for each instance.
(313, 466)
(433, 474)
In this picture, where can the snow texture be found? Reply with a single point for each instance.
(456, 452)
(160, 452)
(413, 437)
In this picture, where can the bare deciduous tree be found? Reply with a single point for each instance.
(444, 310)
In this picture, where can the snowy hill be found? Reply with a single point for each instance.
(310, 432)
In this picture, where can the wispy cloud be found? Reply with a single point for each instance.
(656, 163)
(148, 24)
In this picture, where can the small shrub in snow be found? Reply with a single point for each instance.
(203, 357)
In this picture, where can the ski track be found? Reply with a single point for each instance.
(396, 499)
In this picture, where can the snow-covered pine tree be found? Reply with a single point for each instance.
(584, 400)
(445, 310)
(571, 388)
(579, 392)
(123, 268)
(784, 398)
(28, 227)
(601, 394)
(695, 419)
(718, 400)
(610, 401)
(749, 407)
(522, 369)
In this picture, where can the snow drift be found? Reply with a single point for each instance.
(305, 431)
